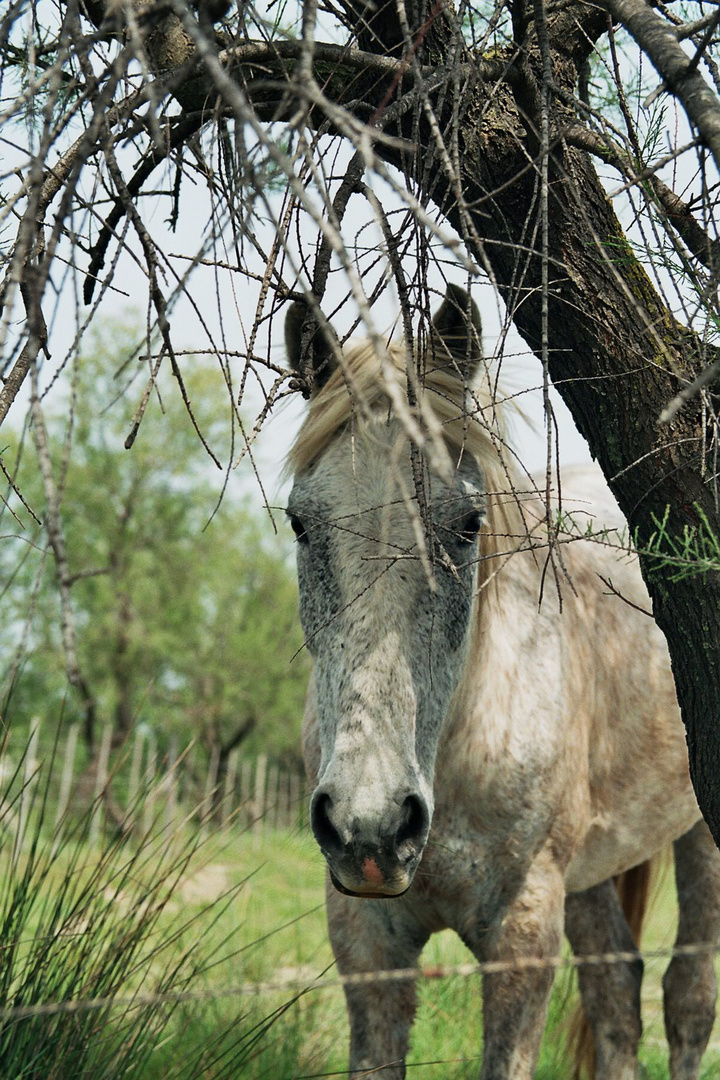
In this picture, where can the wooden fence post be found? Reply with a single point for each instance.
(295, 800)
(271, 805)
(259, 803)
(149, 787)
(134, 778)
(229, 788)
(67, 774)
(170, 785)
(101, 778)
(30, 774)
(208, 802)
(246, 792)
(284, 800)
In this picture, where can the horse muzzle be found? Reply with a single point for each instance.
(374, 855)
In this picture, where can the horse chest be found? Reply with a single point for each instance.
(475, 862)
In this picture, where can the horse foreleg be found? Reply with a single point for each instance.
(370, 936)
(689, 984)
(595, 923)
(515, 1001)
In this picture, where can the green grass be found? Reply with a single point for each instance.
(190, 921)
(311, 1037)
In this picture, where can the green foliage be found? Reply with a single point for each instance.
(692, 551)
(35, 50)
(186, 622)
(637, 82)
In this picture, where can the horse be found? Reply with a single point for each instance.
(480, 760)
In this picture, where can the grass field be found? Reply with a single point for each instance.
(279, 920)
(247, 910)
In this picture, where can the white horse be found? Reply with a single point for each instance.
(481, 762)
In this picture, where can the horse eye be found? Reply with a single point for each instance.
(298, 528)
(470, 527)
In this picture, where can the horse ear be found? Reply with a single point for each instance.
(456, 341)
(311, 348)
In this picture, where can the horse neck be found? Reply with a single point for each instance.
(508, 574)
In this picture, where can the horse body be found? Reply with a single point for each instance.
(569, 722)
(477, 757)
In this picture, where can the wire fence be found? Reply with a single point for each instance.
(300, 986)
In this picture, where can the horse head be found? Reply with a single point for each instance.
(387, 555)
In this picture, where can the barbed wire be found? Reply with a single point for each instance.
(301, 987)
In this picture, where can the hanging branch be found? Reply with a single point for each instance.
(156, 295)
(183, 130)
(19, 494)
(31, 291)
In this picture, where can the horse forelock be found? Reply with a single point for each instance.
(470, 419)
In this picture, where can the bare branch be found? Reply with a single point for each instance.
(659, 42)
(17, 491)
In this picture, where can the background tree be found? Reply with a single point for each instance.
(477, 140)
(183, 621)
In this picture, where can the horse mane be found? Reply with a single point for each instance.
(469, 418)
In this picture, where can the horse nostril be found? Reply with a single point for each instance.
(415, 822)
(323, 829)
